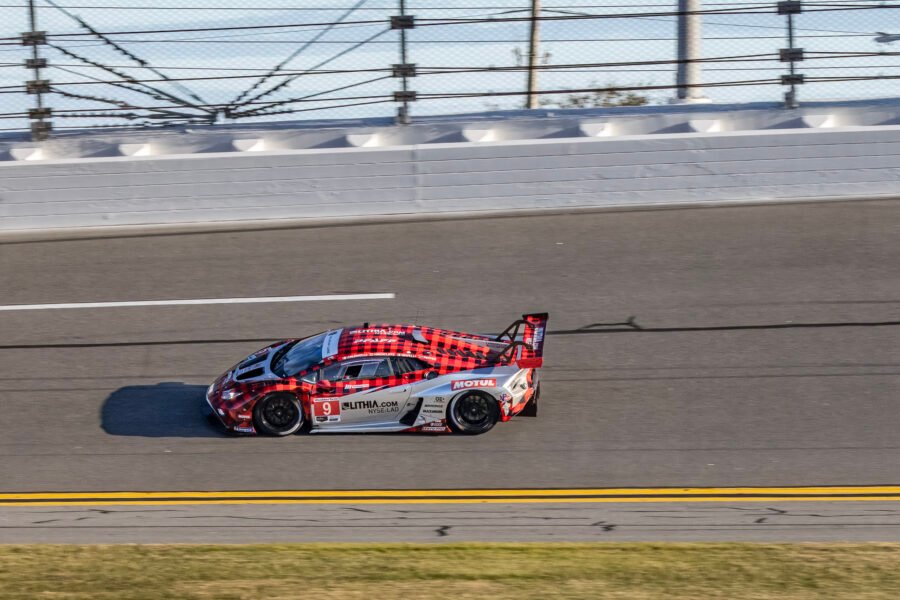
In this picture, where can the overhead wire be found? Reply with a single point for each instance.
(747, 25)
(428, 70)
(300, 110)
(437, 70)
(492, 40)
(161, 113)
(430, 22)
(751, 8)
(391, 6)
(126, 53)
(224, 28)
(55, 89)
(143, 87)
(361, 100)
(425, 71)
(592, 16)
(290, 79)
(295, 54)
(485, 41)
(230, 77)
(253, 112)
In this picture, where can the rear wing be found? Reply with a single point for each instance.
(531, 346)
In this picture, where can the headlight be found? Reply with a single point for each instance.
(230, 394)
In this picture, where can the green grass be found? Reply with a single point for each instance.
(457, 571)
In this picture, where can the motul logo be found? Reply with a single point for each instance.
(473, 383)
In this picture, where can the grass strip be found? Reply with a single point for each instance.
(442, 571)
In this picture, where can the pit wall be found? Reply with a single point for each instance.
(645, 156)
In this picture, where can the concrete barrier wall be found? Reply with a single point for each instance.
(464, 176)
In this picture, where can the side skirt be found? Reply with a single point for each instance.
(366, 428)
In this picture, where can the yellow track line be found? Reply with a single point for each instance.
(506, 496)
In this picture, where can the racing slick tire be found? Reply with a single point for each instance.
(278, 414)
(473, 413)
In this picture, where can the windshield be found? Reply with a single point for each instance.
(299, 357)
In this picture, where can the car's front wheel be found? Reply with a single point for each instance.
(473, 413)
(278, 414)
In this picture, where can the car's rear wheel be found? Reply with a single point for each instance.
(473, 413)
(278, 414)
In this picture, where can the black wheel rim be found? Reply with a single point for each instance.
(279, 412)
(474, 410)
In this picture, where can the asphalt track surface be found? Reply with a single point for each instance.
(756, 522)
(751, 346)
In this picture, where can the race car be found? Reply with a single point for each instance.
(384, 378)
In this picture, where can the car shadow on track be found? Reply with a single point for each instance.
(163, 410)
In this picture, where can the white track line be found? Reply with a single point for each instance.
(13, 307)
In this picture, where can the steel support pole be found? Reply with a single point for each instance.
(690, 43)
(532, 98)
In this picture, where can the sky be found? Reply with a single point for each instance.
(231, 61)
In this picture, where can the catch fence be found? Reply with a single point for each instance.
(74, 64)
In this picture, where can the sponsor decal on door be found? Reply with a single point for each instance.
(327, 410)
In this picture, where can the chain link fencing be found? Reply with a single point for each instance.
(155, 63)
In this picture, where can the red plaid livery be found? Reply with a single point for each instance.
(442, 350)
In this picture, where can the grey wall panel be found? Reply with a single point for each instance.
(451, 177)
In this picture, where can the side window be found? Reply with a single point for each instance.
(357, 369)
(352, 372)
(332, 372)
(384, 368)
(408, 365)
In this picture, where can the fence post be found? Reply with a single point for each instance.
(404, 70)
(40, 114)
(791, 55)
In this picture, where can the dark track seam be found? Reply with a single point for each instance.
(583, 330)
(594, 327)
(387, 499)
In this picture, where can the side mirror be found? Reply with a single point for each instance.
(325, 386)
(431, 374)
